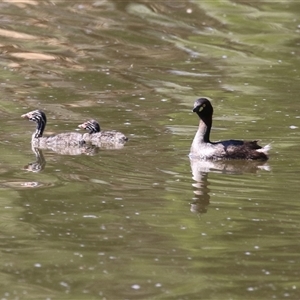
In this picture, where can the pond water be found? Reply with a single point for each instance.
(143, 222)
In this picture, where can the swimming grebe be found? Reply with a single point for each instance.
(37, 139)
(203, 148)
(101, 138)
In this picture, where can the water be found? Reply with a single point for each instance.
(142, 222)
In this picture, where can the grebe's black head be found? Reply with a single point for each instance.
(91, 125)
(203, 107)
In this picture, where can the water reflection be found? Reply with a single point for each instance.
(201, 169)
(85, 149)
(40, 161)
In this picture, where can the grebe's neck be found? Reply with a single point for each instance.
(40, 127)
(204, 128)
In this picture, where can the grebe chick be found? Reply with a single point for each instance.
(101, 138)
(37, 139)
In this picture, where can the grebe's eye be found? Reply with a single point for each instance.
(202, 107)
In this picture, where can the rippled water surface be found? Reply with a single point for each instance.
(144, 222)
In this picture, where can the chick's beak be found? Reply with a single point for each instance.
(25, 116)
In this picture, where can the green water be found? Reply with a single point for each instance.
(141, 222)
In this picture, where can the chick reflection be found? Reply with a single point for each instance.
(201, 168)
(40, 162)
(86, 149)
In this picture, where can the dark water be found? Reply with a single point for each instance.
(142, 222)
